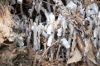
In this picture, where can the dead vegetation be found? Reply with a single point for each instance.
(6, 23)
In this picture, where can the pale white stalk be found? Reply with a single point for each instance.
(99, 15)
(51, 17)
(49, 43)
(92, 0)
(19, 1)
(98, 56)
(77, 1)
(45, 34)
(50, 29)
(82, 11)
(38, 7)
(28, 37)
(68, 52)
(82, 34)
(59, 18)
(71, 27)
(40, 30)
(95, 42)
(54, 9)
(65, 43)
(32, 27)
(41, 26)
(20, 42)
(50, 39)
(99, 39)
(48, 6)
(12, 37)
(62, 9)
(52, 52)
(12, 2)
(38, 41)
(95, 32)
(64, 25)
(21, 6)
(67, 1)
(92, 9)
(69, 41)
(32, 9)
(95, 19)
(35, 38)
(22, 26)
(99, 43)
(72, 6)
(64, 22)
(21, 9)
(59, 32)
(79, 6)
(91, 21)
(58, 51)
(45, 13)
(37, 19)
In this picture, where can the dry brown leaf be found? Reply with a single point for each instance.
(1, 41)
(80, 44)
(45, 63)
(6, 23)
(56, 23)
(73, 47)
(22, 34)
(8, 56)
(78, 19)
(89, 31)
(75, 57)
(89, 51)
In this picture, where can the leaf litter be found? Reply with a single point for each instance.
(24, 33)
